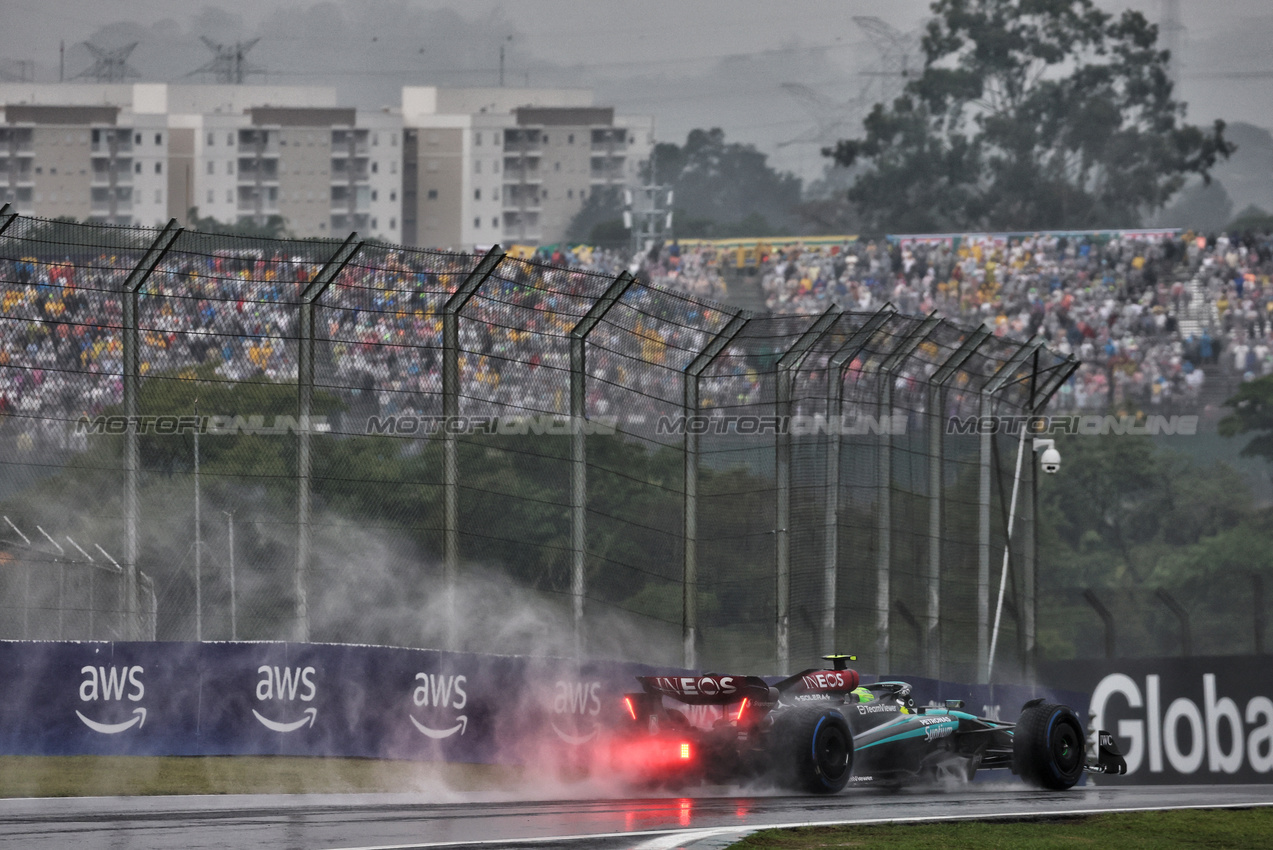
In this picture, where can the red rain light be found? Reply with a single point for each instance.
(631, 709)
(742, 706)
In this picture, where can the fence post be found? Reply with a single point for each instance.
(1186, 633)
(937, 498)
(451, 411)
(787, 367)
(837, 366)
(884, 507)
(578, 444)
(305, 398)
(689, 509)
(1040, 396)
(1257, 604)
(992, 387)
(132, 379)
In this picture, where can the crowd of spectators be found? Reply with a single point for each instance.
(1155, 318)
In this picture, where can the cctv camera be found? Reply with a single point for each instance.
(1050, 460)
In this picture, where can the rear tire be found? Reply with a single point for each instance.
(1048, 748)
(814, 750)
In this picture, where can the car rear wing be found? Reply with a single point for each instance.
(708, 690)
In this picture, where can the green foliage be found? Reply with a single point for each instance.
(727, 188)
(275, 226)
(1252, 218)
(1252, 407)
(1029, 115)
(600, 221)
(1125, 518)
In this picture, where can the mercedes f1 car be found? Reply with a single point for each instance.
(820, 729)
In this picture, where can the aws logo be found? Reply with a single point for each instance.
(439, 690)
(286, 685)
(576, 705)
(113, 684)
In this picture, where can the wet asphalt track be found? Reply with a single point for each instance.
(327, 822)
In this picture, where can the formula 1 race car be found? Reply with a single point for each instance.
(819, 729)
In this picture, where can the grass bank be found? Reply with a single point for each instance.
(1230, 829)
(98, 776)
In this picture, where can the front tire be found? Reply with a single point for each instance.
(1047, 747)
(814, 750)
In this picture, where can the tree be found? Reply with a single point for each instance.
(600, 221)
(275, 226)
(1029, 114)
(1252, 414)
(724, 188)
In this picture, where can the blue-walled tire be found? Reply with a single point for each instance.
(1048, 748)
(814, 750)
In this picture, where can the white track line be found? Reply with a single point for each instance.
(678, 836)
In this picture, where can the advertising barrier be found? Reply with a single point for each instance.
(296, 699)
(1181, 720)
(222, 699)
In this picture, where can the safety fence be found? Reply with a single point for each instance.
(357, 442)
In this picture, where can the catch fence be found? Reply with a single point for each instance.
(364, 443)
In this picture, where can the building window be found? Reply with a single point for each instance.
(159, 168)
(477, 194)
(570, 140)
(375, 140)
(570, 193)
(393, 166)
(496, 164)
(211, 167)
(433, 194)
(210, 200)
(375, 168)
(477, 140)
(495, 222)
(211, 140)
(477, 224)
(229, 139)
(159, 138)
(495, 194)
(229, 196)
(556, 166)
(229, 167)
(393, 196)
(545, 138)
(136, 138)
(373, 194)
(477, 166)
(136, 168)
(375, 225)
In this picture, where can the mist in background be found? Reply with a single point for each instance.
(788, 78)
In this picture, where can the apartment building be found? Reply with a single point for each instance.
(486, 165)
(448, 168)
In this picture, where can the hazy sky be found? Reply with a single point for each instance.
(690, 63)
